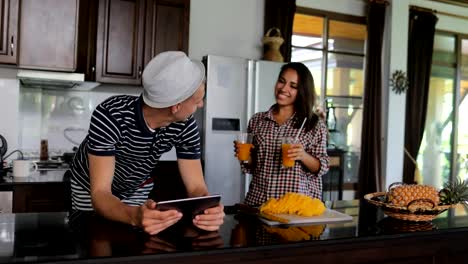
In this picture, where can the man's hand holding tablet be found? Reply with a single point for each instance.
(190, 207)
(205, 212)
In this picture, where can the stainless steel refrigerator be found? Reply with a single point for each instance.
(236, 88)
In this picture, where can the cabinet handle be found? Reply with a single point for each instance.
(12, 45)
(139, 71)
(93, 69)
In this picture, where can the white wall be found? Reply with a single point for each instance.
(446, 22)
(226, 27)
(349, 7)
(395, 52)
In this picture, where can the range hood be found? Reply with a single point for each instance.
(54, 80)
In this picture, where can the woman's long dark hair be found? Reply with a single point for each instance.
(305, 99)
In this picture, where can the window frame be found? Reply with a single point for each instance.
(327, 16)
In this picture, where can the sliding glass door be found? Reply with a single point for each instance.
(461, 166)
(443, 154)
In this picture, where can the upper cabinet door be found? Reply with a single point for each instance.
(48, 34)
(119, 51)
(167, 26)
(9, 29)
(87, 29)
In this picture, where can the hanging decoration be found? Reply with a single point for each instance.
(399, 82)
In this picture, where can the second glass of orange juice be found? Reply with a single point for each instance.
(286, 144)
(244, 145)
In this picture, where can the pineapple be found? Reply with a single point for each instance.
(454, 192)
(402, 195)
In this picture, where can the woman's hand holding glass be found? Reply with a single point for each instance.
(292, 150)
(297, 152)
(243, 146)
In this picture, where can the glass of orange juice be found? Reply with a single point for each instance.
(286, 144)
(244, 144)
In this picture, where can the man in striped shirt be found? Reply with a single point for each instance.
(111, 171)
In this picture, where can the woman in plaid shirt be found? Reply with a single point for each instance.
(295, 97)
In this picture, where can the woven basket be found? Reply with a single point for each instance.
(273, 35)
(416, 211)
(273, 41)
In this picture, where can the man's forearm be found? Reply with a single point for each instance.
(192, 176)
(112, 208)
(198, 192)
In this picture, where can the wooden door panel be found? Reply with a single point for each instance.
(4, 43)
(8, 34)
(167, 26)
(48, 34)
(120, 41)
(168, 18)
(122, 16)
(87, 31)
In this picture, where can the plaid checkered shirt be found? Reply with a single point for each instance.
(269, 179)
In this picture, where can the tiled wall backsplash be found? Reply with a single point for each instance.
(60, 116)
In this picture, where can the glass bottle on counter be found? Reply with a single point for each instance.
(44, 154)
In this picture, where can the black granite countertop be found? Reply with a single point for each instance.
(50, 237)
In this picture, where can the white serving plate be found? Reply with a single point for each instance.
(329, 216)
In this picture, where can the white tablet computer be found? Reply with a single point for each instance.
(190, 206)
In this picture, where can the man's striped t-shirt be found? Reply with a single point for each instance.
(118, 129)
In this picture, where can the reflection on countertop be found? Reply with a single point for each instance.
(40, 176)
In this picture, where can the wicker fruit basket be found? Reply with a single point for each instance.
(420, 210)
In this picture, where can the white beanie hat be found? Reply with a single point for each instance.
(170, 78)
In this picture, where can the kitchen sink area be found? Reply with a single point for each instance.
(44, 190)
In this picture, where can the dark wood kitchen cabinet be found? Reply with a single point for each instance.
(9, 31)
(45, 197)
(120, 37)
(48, 34)
(167, 26)
(87, 31)
(130, 33)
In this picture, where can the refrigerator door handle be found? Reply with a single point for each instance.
(250, 91)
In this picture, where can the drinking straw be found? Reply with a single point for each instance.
(299, 132)
(240, 137)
